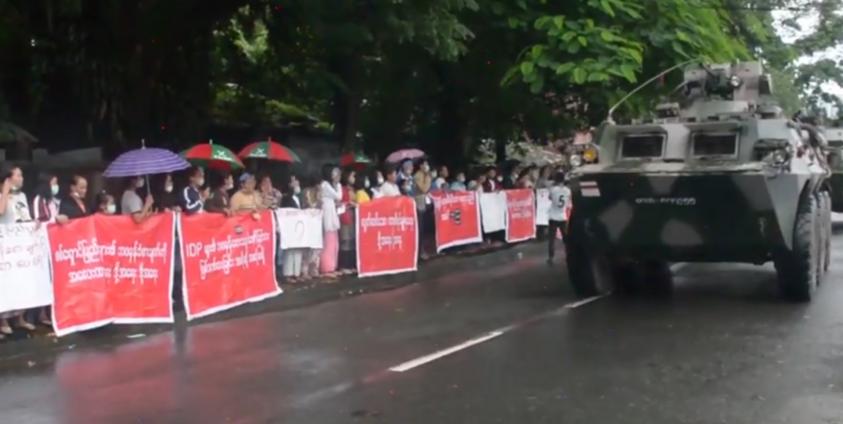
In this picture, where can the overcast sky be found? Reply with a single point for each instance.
(808, 23)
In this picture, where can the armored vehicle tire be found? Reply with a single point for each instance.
(797, 269)
(658, 277)
(590, 274)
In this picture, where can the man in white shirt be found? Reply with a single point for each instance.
(560, 197)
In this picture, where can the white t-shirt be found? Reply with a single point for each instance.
(17, 209)
(389, 189)
(560, 196)
(331, 195)
(130, 203)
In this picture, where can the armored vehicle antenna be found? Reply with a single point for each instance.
(609, 118)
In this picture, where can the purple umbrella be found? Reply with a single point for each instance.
(404, 154)
(145, 161)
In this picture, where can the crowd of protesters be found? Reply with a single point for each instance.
(337, 192)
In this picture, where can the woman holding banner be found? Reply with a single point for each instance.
(74, 206)
(14, 208)
(347, 255)
(311, 199)
(331, 195)
(292, 258)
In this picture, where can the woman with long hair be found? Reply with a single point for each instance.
(347, 257)
(331, 195)
(45, 205)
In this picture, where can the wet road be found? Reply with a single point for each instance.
(506, 344)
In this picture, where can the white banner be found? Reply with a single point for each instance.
(299, 228)
(24, 267)
(493, 211)
(542, 206)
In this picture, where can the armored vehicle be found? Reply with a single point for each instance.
(720, 176)
(834, 154)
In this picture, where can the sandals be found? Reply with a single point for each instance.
(26, 326)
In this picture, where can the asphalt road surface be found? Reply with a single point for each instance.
(506, 344)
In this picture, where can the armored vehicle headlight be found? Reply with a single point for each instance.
(575, 160)
(589, 155)
(778, 157)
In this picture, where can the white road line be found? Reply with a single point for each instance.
(585, 301)
(406, 366)
(415, 363)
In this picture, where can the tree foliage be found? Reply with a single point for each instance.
(378, 74)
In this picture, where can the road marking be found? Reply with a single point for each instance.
(415, 363)
(406, 366)
(585, 301)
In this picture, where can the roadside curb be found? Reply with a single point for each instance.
(295, 296)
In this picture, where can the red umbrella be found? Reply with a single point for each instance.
(269, 150)
(355, 160)
(213, 156)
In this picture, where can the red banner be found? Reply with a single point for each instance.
(457, 215)
(387, 236)
(520, 215)
(107, 269)
(226, 261)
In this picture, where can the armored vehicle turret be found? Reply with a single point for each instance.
(719, 176)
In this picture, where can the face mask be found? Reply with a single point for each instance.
(140, 183)
(296, 189)
(500, 179)
(54, 189)
(111, 208)
(200, 182)
(366, 183)
(229, 186)
(434, 174)
(425, 168)
(380, 180)
(461, 179)
(168, 188)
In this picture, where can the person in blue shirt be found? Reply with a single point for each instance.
(193, 199)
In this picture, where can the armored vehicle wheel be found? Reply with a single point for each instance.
(797, 269)
(590, 274)
(657, 277)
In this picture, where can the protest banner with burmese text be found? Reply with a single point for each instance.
(24, 267)
(108, 269)
(520, 215)
(457, 217)
(387, 236)
(227, 261)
